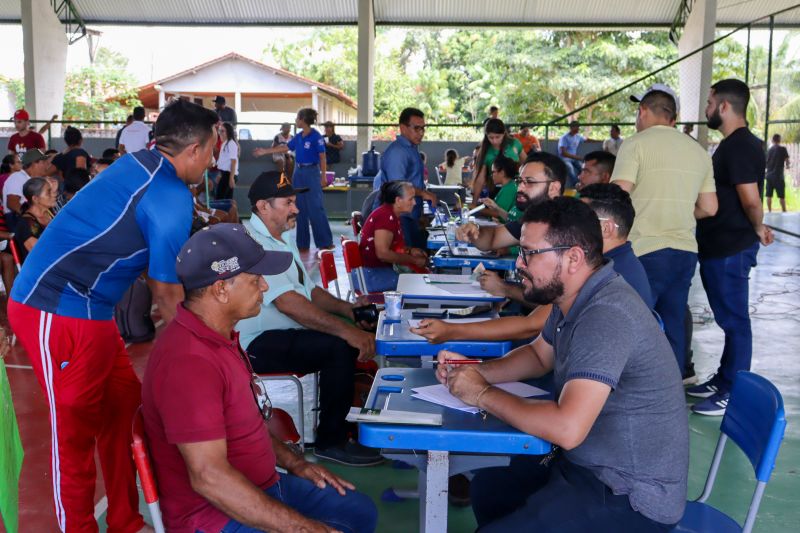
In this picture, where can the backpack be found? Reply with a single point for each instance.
(132, 313)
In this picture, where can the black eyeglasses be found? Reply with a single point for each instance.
(528, 183)
(523, 253)
(259, 390)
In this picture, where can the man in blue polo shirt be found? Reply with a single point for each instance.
(133, 218)
(402, 162)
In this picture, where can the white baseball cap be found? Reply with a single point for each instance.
(660, 87)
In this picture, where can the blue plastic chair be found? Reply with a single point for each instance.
(755, 421)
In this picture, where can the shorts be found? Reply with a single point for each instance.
(776, 183)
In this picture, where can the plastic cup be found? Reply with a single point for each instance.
(393, 301)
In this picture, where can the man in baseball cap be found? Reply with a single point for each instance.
(25, 138)
(205, 411)
(659, 88)
(671, 182)
(300, 328)
(225, 113)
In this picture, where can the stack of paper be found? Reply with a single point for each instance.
(439, 394)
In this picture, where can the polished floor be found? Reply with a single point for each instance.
(775, 311)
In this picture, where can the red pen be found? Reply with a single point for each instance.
(462, 361)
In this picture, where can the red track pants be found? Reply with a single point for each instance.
(92, 393)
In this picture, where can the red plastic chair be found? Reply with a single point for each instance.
(301, 419)
(15, 253)
(327, 270)
(354, 266)
(356, 222)
(141, 458)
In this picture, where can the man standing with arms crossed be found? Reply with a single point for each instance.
(671, 182)
(134, 217)
(728, 242)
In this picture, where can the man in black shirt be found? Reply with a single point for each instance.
(777, 159)
(728, 242)
(225, 113)
(333, 143)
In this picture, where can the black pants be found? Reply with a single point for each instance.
(306, 351)
(564, 497)
(224, 190)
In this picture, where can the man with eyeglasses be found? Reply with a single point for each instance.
(401, 161)
(618, 464)
(671, 182)
(300, 327)
(615, 211)
(206, 417)
(541, 177)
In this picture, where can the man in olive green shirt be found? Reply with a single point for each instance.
(671, 182)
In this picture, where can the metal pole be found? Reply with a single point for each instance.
(747, 59)
(769, 78)
(208, 198)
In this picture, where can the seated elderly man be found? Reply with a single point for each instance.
(300, 327)
(614, 208)
(620, 460)
(205, 416)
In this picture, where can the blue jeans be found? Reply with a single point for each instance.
(351, 513)
(670, 274)
(564, 497)
(726, 281)
(222, 205)
(380, 279)
(574, 168)
(311, 209)
(412, 232)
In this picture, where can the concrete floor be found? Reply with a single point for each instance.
(775, 310)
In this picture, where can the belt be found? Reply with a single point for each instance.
(303, 165)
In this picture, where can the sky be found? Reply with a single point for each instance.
(155, 52)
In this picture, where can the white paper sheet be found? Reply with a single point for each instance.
(439, 394)
(414, 322)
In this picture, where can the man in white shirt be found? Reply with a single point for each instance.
(34, 164)
(135, 136)
(612, 144)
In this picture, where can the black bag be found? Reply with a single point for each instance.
(132, 313)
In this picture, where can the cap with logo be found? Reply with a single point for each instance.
(32, 156)
(21, 114)
(272, 184)
(659, 87)
(219, 100)
(223, 251)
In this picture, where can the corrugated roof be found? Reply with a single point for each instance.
(575, 13)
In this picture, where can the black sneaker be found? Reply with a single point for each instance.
(458, 490)
(704, 390)
(350, 453)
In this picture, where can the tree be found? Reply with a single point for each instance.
(101, 91)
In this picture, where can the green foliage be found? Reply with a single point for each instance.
(101, 91)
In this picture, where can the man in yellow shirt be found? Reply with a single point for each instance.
(671, 182)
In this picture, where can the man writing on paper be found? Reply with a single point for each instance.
(621, 460)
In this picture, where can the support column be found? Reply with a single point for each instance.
(366, 62)
(45, 47)
(237, 102)
(695, 72)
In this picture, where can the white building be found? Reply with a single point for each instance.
(258, 92)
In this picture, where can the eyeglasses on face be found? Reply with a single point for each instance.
(528, 182)
(524, 254)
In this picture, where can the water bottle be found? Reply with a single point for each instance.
(451, 232)
(464, 214)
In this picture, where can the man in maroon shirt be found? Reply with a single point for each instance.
(25, 139)
(205, 413)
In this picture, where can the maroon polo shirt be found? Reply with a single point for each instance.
(196, 388)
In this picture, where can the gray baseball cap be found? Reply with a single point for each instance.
(223, 251)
